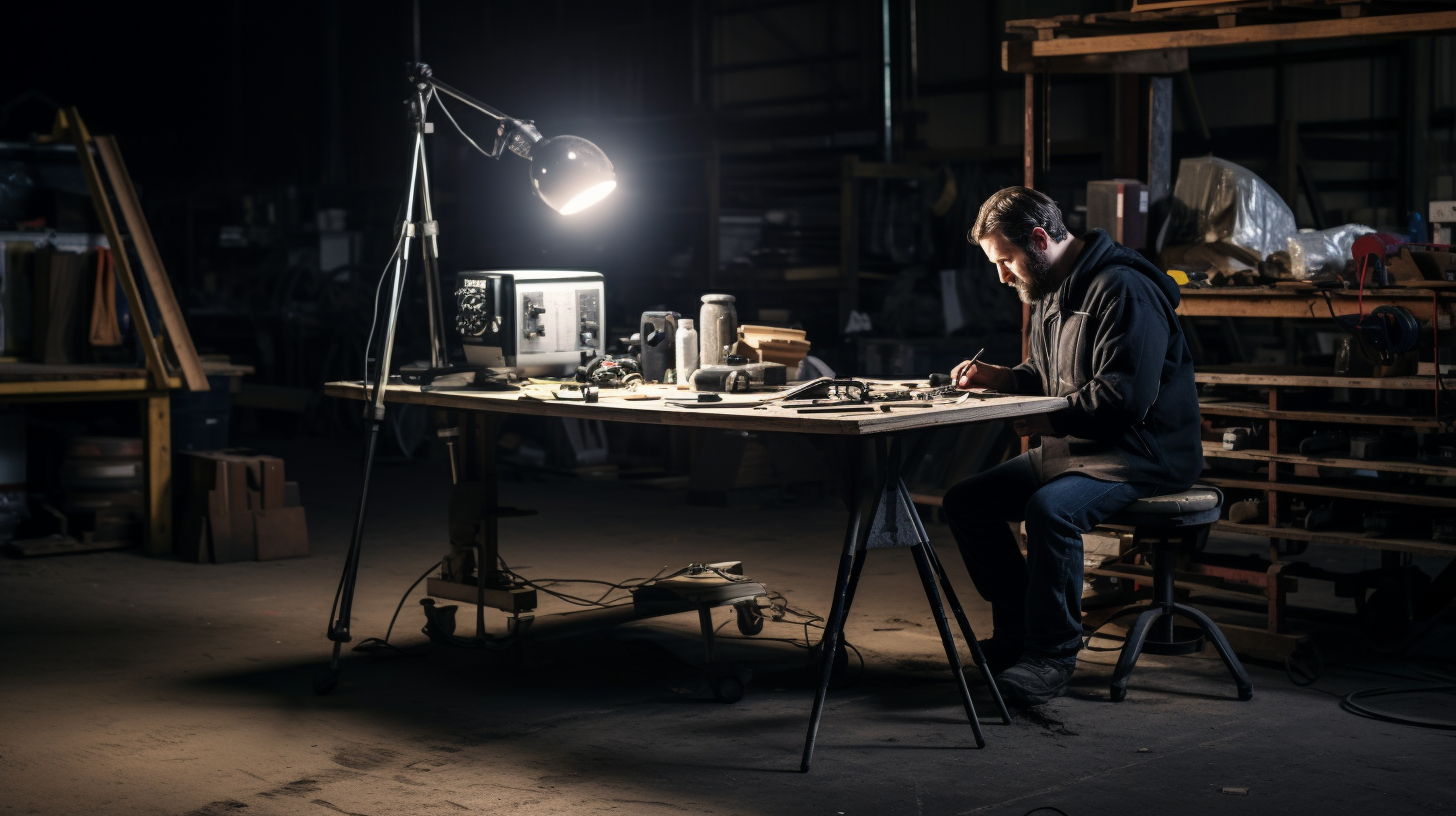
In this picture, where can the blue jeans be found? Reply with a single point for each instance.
(1036, 600)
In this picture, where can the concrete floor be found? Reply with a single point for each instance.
(131, 685)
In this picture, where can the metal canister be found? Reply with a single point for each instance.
(717, 328)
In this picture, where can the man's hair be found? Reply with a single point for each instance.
(1013, 213)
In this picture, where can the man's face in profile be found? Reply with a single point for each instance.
(1029, 272)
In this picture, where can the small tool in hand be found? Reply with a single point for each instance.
(966, 372)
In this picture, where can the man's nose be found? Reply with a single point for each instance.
(1004, 274)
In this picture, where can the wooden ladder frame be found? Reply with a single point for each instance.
(160, 367)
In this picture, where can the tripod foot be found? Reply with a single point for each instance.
(324, 680)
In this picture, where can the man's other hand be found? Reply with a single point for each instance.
(968, 375)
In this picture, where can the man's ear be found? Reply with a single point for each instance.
(1040, 239)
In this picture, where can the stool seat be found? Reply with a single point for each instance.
(1193, 500)
(1194, 507)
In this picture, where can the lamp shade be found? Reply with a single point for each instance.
(570, 173)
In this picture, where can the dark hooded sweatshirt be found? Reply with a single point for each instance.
(1108, 340)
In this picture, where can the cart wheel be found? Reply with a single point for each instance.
(727, 688)
(324, 681)
(750, 620)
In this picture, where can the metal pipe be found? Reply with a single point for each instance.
(886, 66)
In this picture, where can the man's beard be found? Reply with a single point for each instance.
(1041, 280)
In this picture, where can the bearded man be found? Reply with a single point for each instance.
(1103, 334)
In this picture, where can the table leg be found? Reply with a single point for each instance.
(157, 433)
(927, 579)
(860, 519)
(955, 606)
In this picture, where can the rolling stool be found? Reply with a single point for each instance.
(1170, 523)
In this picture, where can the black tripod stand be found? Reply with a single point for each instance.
(427, 230)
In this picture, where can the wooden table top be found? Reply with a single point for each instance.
(735, 412)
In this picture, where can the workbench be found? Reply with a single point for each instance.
(39, 383)
(881, 514)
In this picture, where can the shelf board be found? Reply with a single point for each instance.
(1258, 410)
(1301, 377)
(1215, 450)
(1333, 491)
(1410, 545)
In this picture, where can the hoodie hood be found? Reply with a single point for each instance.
(1100, 252)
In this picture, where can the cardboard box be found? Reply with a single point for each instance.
(233, 506)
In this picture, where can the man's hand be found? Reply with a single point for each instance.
(1034, 425)
(968, 375)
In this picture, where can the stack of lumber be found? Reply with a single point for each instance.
(767, 344)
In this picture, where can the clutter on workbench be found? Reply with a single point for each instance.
(1120, 207)
(659, 344)
(739, 375)
(717, 328)
(768, 344)
(1219, 202)
(685, 351)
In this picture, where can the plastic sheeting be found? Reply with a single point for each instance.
(1217, 201)
(1322, 255)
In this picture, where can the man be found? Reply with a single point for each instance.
(1104, 335)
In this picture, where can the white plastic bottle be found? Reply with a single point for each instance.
(686, 350)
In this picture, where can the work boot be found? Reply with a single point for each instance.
(1000, 653)
(1033, 681)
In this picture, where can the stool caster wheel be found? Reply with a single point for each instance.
(324, 681)
(727, 688)
(750, 620)
(1119, 693)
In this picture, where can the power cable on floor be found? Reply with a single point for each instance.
(371, 644)
(1349, 704)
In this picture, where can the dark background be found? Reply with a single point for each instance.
(247, 118)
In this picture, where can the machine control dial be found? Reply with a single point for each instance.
(472, 318)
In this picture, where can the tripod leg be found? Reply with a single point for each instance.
(955, 606)
(927, 579)
(338, 630)
(374, 417)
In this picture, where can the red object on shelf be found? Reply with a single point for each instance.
(1379, 244)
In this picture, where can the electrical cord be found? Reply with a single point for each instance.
(602, 602)
(440, 100)
(379, 287)
(372, 644)
(1349, 704)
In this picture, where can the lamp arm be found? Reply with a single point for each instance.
(474, 103)
(516, 135)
